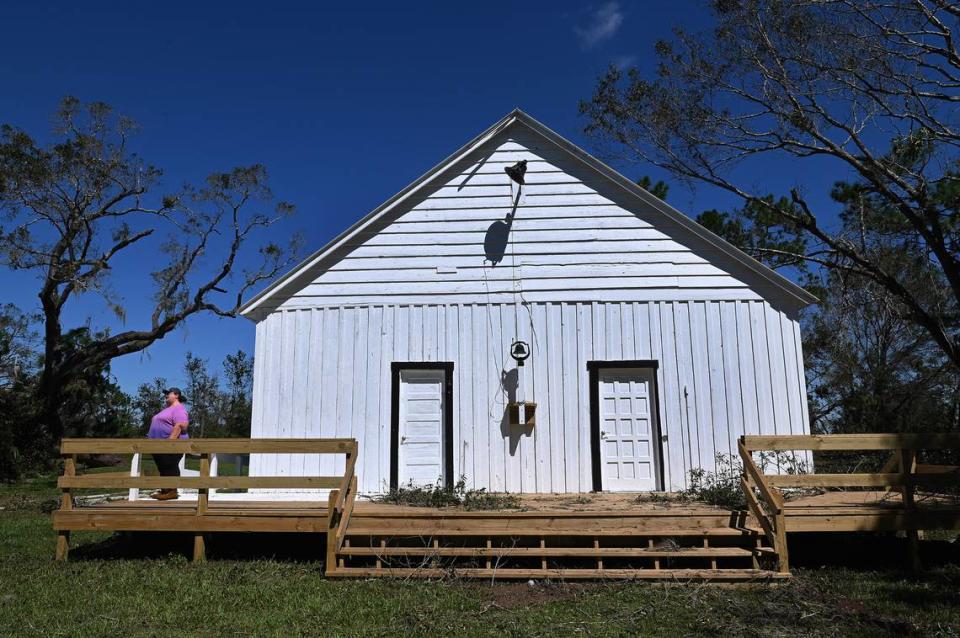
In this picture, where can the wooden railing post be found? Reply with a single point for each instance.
(199, 541)
(783, 553)
(66, 503)
(774, 524)
(908, 469)
(203, 493)
(332, 527)
(69, 469)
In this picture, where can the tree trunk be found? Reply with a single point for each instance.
(51, 383)
(51, 400)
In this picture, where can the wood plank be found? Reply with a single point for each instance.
(677, 516)
(416, 532)
(297, 508)
(554, 523)
(578, 552)
(862, 480)
(332, 541)
(568, 574)
(199, 548)
(780, 530)
(773, 498)
(754, 505)
(78, 520)
(63, 545)
(347, 510)
(204, 493)
(348, 478)
(208, 446)
(122, 479)
(852, 441)
(893, 520)
(908, 467)
(69, 471)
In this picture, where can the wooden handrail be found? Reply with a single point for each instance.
(892, 476)
(71, 448)
(774, 522)
(348, 474)
(786, 442)
(900, 473)
(757, 510)
(207, 446)
(928, 479)
(122, 479)
(771, 496)
(341, 506)
(340, 501)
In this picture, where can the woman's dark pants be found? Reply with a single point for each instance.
(168, 464)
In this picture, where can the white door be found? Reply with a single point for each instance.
(628, 447)
(420, 443)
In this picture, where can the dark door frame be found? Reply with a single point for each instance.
(395, 368)
(594, 367)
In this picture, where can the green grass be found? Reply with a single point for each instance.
(114, 586)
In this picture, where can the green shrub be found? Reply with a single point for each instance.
(458, 495)
(720, 488)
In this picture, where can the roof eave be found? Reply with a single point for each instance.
(796, 292)
(249, 308)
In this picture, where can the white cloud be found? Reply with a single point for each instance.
(603, 23)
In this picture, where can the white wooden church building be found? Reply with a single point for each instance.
(653, 344)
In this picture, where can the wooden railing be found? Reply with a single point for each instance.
(340, 501)
(901, 473)
(769, 513)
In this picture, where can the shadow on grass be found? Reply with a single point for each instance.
(867, 550)
(299, 547)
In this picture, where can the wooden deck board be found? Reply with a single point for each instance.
(678, 575)
(586, 552)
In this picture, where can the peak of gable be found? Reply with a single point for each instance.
(575, 225)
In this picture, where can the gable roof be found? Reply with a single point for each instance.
(301, 274)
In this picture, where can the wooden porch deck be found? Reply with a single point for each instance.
(564, 536)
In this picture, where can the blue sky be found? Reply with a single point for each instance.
(344, 105)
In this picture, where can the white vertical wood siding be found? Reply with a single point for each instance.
(591, 272)
(574, 238)
(725, 368)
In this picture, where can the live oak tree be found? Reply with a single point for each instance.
(75, 209)
(867, 89)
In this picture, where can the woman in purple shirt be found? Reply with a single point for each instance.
(169, 423)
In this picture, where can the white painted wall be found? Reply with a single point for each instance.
(575, 237)
(726, 368)
(591, 272)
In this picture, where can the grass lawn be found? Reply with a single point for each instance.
(143, 585)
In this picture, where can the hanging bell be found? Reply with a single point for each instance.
(517, 171)
(520, 351)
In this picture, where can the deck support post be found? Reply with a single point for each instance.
(69, 469)
(199, 548)
(63, 545)
(908, 467)
(783, 555)
(203, 494)
(332, 527)
(66, 504)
